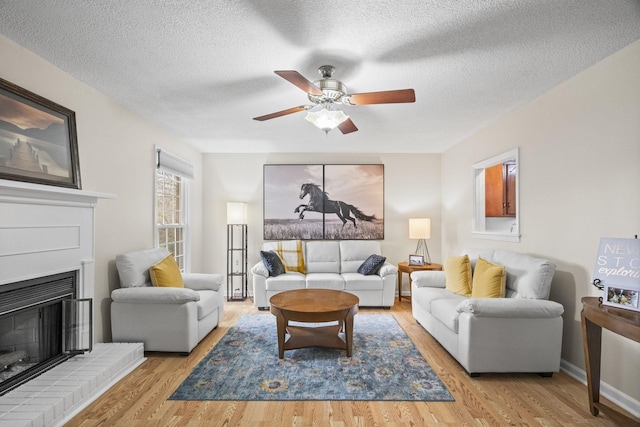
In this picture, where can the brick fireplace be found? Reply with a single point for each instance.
(48, 232)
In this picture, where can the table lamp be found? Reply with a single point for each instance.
(420, 228)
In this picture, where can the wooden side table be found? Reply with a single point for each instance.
(596, 316)
(404, 267)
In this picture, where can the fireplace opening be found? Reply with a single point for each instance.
(42, 324)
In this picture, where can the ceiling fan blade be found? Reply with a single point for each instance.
(347, 127)
(386, 97)
(282, 113)
(299, 80)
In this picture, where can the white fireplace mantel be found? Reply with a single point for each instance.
(47, 230)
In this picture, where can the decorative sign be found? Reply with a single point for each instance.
(618, 270)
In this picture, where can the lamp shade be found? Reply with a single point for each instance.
(419, 228)
(236, 213)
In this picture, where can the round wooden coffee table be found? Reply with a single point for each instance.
(309, 306)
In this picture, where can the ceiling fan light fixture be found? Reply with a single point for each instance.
(326, 119)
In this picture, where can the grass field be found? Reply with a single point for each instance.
(312, 229)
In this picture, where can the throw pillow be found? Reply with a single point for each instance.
(488, 280)
(457, 272)
(371, 265)
(272, 262)
(166, 273)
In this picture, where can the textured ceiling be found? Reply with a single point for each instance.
(202, 69)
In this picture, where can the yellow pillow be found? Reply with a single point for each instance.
(457, 272)
(166, 273)
(489, 280)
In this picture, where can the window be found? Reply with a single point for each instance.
(171, 203)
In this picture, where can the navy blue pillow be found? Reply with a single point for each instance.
(272, 262)
(371, 265)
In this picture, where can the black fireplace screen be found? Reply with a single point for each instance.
(41, 325)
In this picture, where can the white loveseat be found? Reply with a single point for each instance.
(163, 318)
(331, 265)
(519, 333)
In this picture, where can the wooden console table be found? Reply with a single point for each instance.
(596, 316)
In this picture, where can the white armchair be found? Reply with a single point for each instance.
(163, 318)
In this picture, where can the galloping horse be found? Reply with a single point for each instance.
(319, 202)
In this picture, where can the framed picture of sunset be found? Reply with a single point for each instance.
(38, 140)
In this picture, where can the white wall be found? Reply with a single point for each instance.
(116, 157)
(238, 177)
(579, 181)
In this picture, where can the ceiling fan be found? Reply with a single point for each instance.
(327, 92)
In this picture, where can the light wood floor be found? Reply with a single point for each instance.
(140, 399)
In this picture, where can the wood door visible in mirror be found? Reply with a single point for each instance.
(500, 190)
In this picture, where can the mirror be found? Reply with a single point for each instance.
(496, 198)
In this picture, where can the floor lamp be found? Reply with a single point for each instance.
(420, 228)
(236, 251)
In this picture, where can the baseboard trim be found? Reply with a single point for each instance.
(621, 399)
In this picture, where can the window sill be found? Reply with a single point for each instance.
(496, 235)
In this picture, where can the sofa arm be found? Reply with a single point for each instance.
(511, 307)
(260, 270)
(202, 282)
(154, 295)
(428, 279)
(387, 269)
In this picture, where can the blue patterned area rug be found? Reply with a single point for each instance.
(244, 365)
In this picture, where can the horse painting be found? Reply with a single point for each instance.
(319, 202)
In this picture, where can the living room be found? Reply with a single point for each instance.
(579, 152)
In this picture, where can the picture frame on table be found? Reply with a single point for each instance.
(417, 260)
(38, 139)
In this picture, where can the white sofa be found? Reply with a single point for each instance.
(519, 333)
(331, 265)
(163, 318)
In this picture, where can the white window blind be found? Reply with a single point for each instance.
(174, 164)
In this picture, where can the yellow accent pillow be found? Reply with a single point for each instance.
(166, 273)
(457, 272)
(489, 280)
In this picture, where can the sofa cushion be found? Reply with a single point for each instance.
(272, 262)
(166, 273)
(322, 257)
(488, 280)
(360, 282)
(527, 277)
(475, 253)
(371, 265)
(445, 311)
(458, 275)
(354, 252)
(424, 296)
(133, 267)
(285, 282)
(325, 281)
(291, 252)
